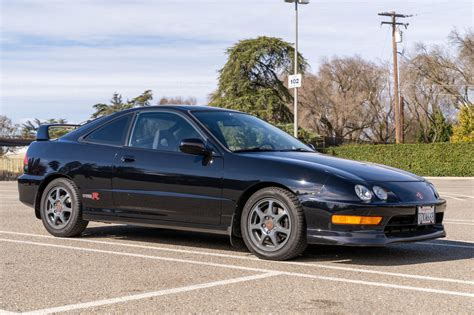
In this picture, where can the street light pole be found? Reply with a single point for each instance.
(295, 67)
(295, 105)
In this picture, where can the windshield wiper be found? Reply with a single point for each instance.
(257, 149)
(296, 150)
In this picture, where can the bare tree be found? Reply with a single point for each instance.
(7, 130)
(348, 98)
(177, 101)
(435, 83)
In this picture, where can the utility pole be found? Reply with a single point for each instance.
(398, 110)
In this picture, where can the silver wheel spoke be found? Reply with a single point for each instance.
(280, 216)
(272, 237)
(270, 207)
(62, 218)
(55, 219)
(256, 227)
(282, 230)
(259, 213)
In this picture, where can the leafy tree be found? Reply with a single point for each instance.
(251, 79)
(117, 104)
(440, 129)
(463, 131)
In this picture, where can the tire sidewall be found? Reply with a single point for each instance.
(296, 227)
(75, 217)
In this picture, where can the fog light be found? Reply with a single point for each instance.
(356, 220)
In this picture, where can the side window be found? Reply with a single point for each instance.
(113, 133)
(161, 131)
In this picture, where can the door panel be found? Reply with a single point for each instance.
(93, 174)
(154, 180)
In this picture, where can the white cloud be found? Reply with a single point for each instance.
(79, 52)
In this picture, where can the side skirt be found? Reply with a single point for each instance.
(181, 226)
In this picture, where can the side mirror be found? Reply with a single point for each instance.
(311, 146)
(194, 146)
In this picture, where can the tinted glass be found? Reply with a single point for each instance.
(112, 133)
(242, 132)
(161, 131)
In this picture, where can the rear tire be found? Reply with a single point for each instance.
(273, 224)
(61, 209)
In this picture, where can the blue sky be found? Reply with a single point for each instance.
(58, 58)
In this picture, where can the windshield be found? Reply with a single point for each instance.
(240, 132)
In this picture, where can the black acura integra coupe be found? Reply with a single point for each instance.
(221, 171)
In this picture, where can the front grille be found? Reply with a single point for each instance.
(406, 226)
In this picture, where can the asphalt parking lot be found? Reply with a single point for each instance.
(126, 269)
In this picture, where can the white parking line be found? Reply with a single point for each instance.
(455, 194)
(455, 220)
(252, 258)
(147, 295)
(230, 266)
(446, 245)
(451, 197)
(459, 223)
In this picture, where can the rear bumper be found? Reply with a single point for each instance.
(28, 186)
(398, 224)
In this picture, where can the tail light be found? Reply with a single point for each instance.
(25, 164)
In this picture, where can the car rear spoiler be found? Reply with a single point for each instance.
(42, 134)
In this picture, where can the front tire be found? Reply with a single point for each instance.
(273, 224)
(61, 209)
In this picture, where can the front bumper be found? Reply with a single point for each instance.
(398, 224)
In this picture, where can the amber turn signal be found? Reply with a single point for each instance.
(356, 220)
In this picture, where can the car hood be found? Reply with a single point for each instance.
(369, 172)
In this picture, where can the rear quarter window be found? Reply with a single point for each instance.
(112, 133)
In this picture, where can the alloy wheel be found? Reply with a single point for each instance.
(269, 224)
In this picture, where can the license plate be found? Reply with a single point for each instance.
(426, 215)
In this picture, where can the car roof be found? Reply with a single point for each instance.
(183, 108)
(74, 135)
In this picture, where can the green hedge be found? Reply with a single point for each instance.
(435, 159)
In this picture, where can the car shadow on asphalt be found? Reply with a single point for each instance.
(394, 255)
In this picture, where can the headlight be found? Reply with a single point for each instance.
(380, 192)
(434, 190)
(363, 193)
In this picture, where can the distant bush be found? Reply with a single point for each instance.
(434, 159)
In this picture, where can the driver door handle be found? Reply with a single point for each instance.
(127, 159)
